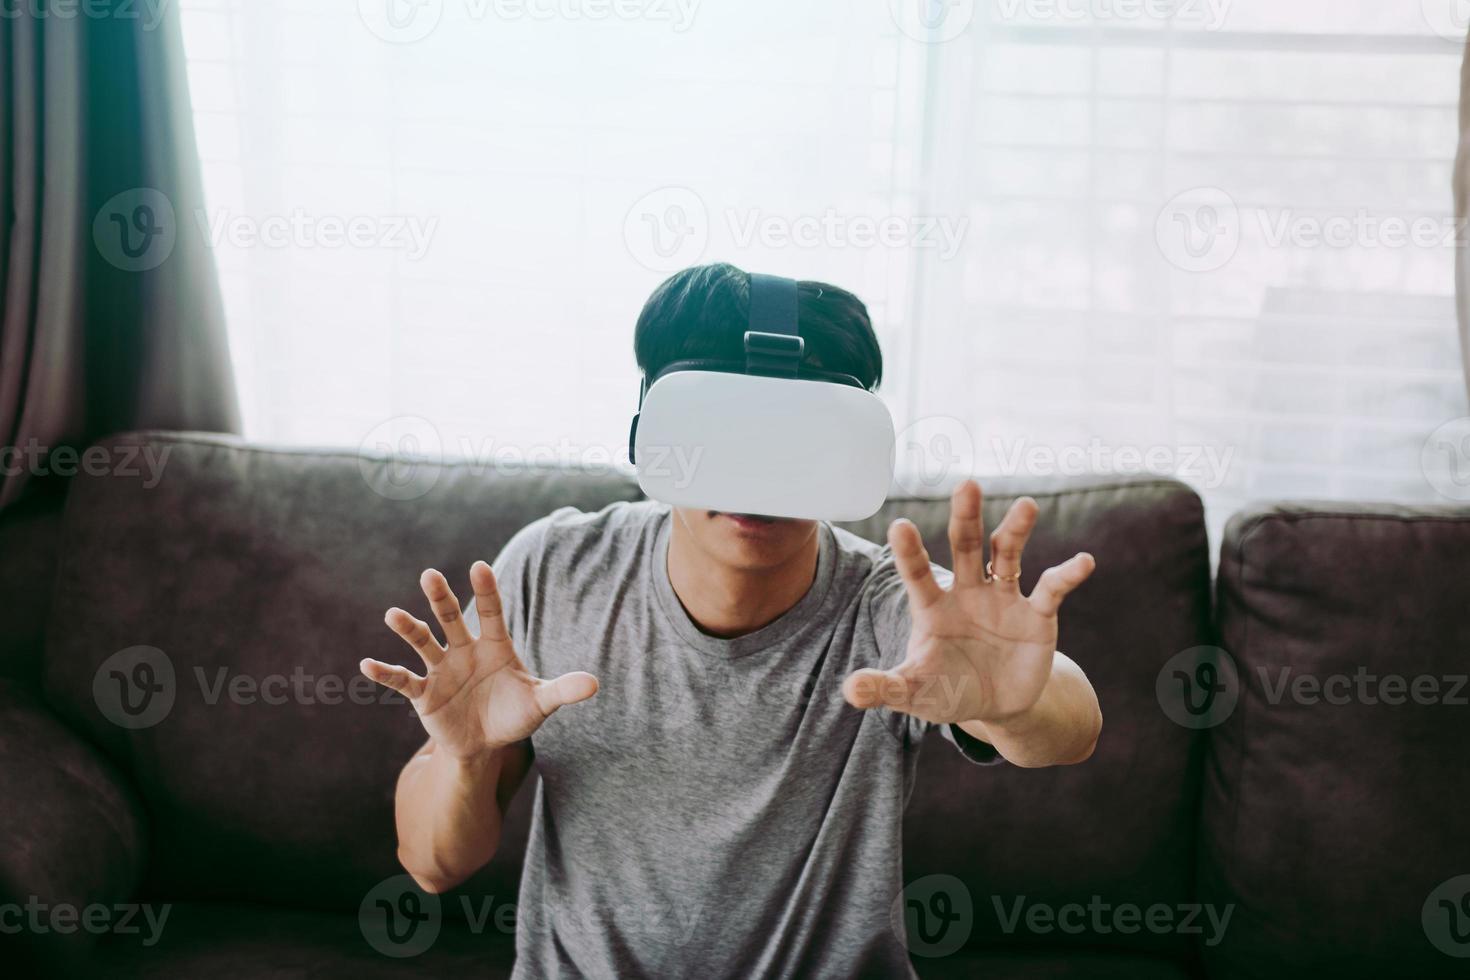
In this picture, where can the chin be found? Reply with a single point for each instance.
(748, 541)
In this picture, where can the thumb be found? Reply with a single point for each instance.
(564, 690)
(870, 688)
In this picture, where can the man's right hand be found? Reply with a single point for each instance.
(476, 696)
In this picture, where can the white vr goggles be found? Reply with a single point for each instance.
(769, 437)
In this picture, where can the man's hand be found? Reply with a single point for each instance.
(476, 696)
(980, 653)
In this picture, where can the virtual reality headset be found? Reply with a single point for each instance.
(770, 436)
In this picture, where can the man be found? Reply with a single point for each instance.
(745, 698)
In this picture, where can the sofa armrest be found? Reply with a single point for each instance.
(72, 835)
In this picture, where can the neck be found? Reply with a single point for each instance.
(726, 601)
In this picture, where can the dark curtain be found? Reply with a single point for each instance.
(110, 310)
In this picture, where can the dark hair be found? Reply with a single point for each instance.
(703, 312)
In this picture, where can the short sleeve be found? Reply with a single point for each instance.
(888, 608)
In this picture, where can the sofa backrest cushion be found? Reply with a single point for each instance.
(1337, 784)
(260, 577)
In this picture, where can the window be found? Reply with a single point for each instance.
(1092, 236)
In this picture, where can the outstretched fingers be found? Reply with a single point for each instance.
(400, 679)
(1009, 540)
(446, 608)
(913, 564)
(487, 603)
(416, 633)
(872, 688)
(564, 690)
(1059, 580)
(967, 534)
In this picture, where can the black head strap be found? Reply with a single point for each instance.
(773, 344)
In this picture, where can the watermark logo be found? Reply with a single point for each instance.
(930, 453)
(398, 918)
(139, 687)
(1206, 467)
(136, 231)
(1100, 917)
(400, 459)
(1362, 687)
(300, 229)
(1199, 230)
(933, 915)
(1446, 917)
(149, 12)
(932, 21)
(1450, 19)
(128, 919)
(410, 21)
(1445, 460)
(667, 229)
(1199, 687)
(127, 461)
(831, 229)
(1209, 15)
(135, 688)
(401, 21)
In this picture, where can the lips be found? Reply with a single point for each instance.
(749, 522)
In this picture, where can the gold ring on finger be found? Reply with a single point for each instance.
(992, 577)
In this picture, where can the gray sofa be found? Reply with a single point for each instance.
(1273, 837)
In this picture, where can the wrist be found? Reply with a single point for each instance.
(478, 763)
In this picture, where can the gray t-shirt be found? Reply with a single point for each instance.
(717, 810)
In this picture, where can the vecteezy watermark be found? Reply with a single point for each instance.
(1099, 917)
(1446, 917)
(410, 21)
(833, 230)
(399, 919)
(670, 229)
(130, 919)
(1363, 686)
(68, 461)
(667, 229)
(1199, 687)
(933, 915)
(138, 688)
(1200, 230)
(1445, 460)
(1204, 466)
(402, 458)
(1209, 15)
(932, 21)
(135, 688)
(930, 453)
(1447, 18)
(410, 234)
(136, 230)
(149, 12)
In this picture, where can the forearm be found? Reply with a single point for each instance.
(448, 812)
(1060, 729)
